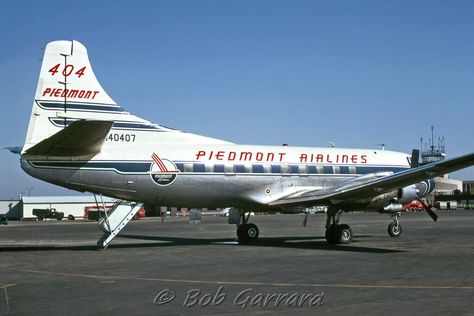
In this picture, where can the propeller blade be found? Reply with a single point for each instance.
(428, 210)
(305, 221)
(432, 214)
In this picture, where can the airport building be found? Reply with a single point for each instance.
(462, 198)
(449, 194)
(431, 153)
(468, 187)
(76, 206)
(445, 185)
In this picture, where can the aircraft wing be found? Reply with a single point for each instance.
(372, 185)
(83, 137)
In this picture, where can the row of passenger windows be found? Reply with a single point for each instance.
(275, 169)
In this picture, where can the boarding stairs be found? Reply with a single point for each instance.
(115, 220)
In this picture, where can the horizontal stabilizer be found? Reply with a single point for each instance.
(14, 150)
(83, 137)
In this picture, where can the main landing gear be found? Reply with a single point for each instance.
(247, 232)
(337, 233)
(394, 228)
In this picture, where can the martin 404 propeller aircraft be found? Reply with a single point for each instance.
(79, 138)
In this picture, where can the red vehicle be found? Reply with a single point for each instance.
(140, 213)
(94, 212)
(414, 206)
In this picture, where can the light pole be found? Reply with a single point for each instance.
(20, 195)
(29, 190)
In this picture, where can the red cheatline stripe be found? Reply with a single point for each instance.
(160, 163)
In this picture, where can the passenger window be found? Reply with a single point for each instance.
(303, 170)
(285, 170)
(229, 170)
(188, 167)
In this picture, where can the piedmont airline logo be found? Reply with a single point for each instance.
(162, 171)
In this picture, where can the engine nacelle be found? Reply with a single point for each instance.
(415, 191)
(392, 208)
(408, 194)
(425, 187)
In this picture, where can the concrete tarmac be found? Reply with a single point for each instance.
(174, 268)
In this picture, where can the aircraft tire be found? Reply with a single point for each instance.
(339, 234)
(247, 232)
(344, 234)
(331, 237)
(394, 230)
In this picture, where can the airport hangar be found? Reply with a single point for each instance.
(77, 206)
(22, 209)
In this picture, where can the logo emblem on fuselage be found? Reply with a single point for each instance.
(163, 171)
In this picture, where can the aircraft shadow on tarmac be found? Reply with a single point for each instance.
(306, 242)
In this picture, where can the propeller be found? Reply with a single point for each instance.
(428, 210)
(414, 162)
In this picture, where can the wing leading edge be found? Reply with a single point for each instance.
(375, 184)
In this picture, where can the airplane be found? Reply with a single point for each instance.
(79, 138)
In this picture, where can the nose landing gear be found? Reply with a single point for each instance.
(394, 228)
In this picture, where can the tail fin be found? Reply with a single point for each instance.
(68, 91)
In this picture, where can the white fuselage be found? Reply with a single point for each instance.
(195, 171)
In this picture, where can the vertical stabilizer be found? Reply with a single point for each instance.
(67, 89)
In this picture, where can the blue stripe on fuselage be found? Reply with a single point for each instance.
(117, 125)
(107, 108)
(199, 168)
(124, 167)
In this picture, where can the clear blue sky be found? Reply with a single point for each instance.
(357, 73)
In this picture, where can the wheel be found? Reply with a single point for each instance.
(40, 218)
(339, 234)
(344, 234)
(252, 232)
(135, 217)
(331, 234)
(240, 232)
(247, 232)
(71, 217)
(394, 230)
(59, 216)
